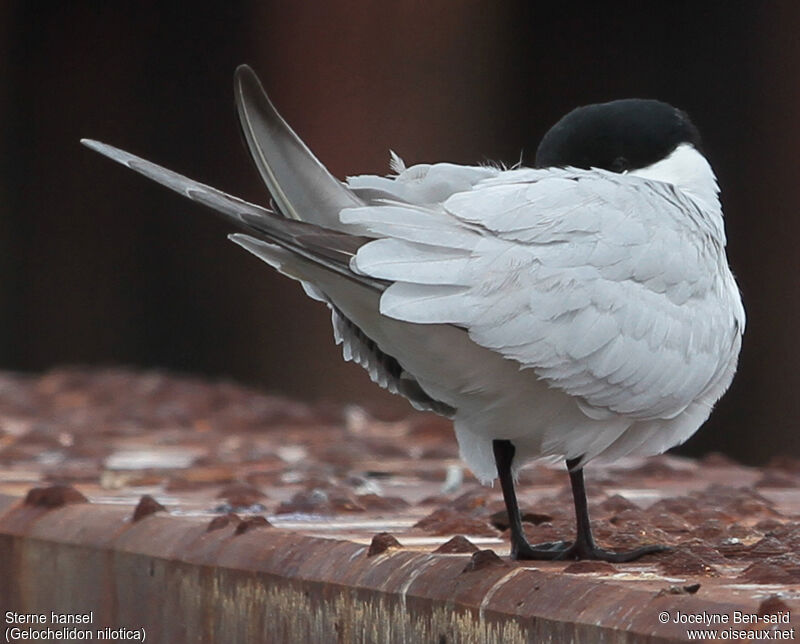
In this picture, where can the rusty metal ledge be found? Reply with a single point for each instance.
(190, 511)
(181, 582)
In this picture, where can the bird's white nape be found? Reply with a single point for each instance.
(688, 170)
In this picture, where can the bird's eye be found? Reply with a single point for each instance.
(620, 164)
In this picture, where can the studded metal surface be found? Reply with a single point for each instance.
(209, 512)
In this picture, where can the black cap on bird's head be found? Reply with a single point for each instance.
(621, 135)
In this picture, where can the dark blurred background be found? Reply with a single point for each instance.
(100, 266)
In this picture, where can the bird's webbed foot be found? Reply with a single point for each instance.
(567, 550)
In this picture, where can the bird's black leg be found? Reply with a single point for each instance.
(584, 546)
(520, 548)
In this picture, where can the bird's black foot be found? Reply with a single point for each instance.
(566, 550)
(595, 553)
(539, 552)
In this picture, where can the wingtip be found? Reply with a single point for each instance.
(245, 79)
(91, 144)
(244, 70)
(115, 154)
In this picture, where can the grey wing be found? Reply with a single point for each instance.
(357, 346)
(600, 283)
(301, 186)
(285, 245)
(332, 249)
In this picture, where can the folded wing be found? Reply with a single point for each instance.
(607, 286)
